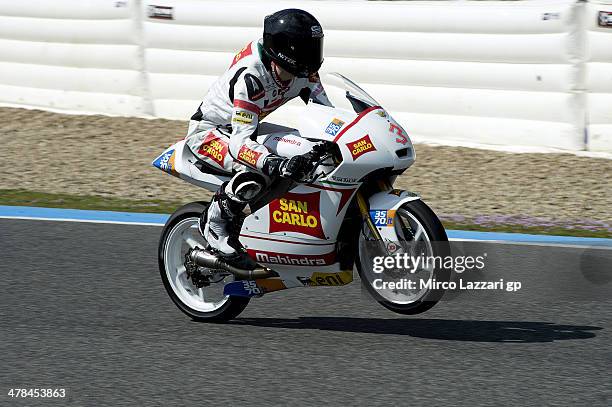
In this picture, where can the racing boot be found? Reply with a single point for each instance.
(219, 228)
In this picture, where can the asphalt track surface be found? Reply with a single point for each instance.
(83, 307)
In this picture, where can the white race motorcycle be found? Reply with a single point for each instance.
(312, 233)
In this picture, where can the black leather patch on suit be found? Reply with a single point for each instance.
(233, 83)
(198, 114)
(255, 88)
(305, 94)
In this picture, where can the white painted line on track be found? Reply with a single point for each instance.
(544, 244)
(505, 242)
(112, 222)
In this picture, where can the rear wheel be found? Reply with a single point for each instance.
(420, 233)
(180, 234)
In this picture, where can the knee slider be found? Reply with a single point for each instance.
(229, 206)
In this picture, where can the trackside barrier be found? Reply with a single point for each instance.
(72, 54)
(599, 75)
(535, 73)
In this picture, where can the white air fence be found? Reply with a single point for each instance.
(533, 73)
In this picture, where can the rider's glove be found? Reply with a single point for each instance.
(272, 165)
(293, 168)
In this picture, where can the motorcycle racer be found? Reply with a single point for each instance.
(263, 76)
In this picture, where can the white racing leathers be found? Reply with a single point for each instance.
(243, 96)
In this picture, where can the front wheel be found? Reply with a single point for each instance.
(180, 234)
(420, 234)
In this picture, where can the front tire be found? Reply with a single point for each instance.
(416, 226)
(201, 304)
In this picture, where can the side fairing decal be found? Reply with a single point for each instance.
(297, 213)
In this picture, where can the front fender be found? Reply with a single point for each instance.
(391, 200)
(383, 206)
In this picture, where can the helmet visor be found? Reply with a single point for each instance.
(309, 56)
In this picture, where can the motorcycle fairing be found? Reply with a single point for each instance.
(259, 287)
(278, 236)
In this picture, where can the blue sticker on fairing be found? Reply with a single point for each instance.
(243, 288)
(334, 127)
(163, 162)
(382, 218)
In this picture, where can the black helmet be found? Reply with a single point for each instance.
(293, 39)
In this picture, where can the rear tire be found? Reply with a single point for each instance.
(179, 290)
(420, 214)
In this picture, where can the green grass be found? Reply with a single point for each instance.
(17, 197)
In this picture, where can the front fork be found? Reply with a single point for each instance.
(389, 236)
(365, 215)
(364, 209)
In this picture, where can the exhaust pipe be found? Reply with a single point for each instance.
(204, 259)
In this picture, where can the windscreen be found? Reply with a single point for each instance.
(344, 93)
